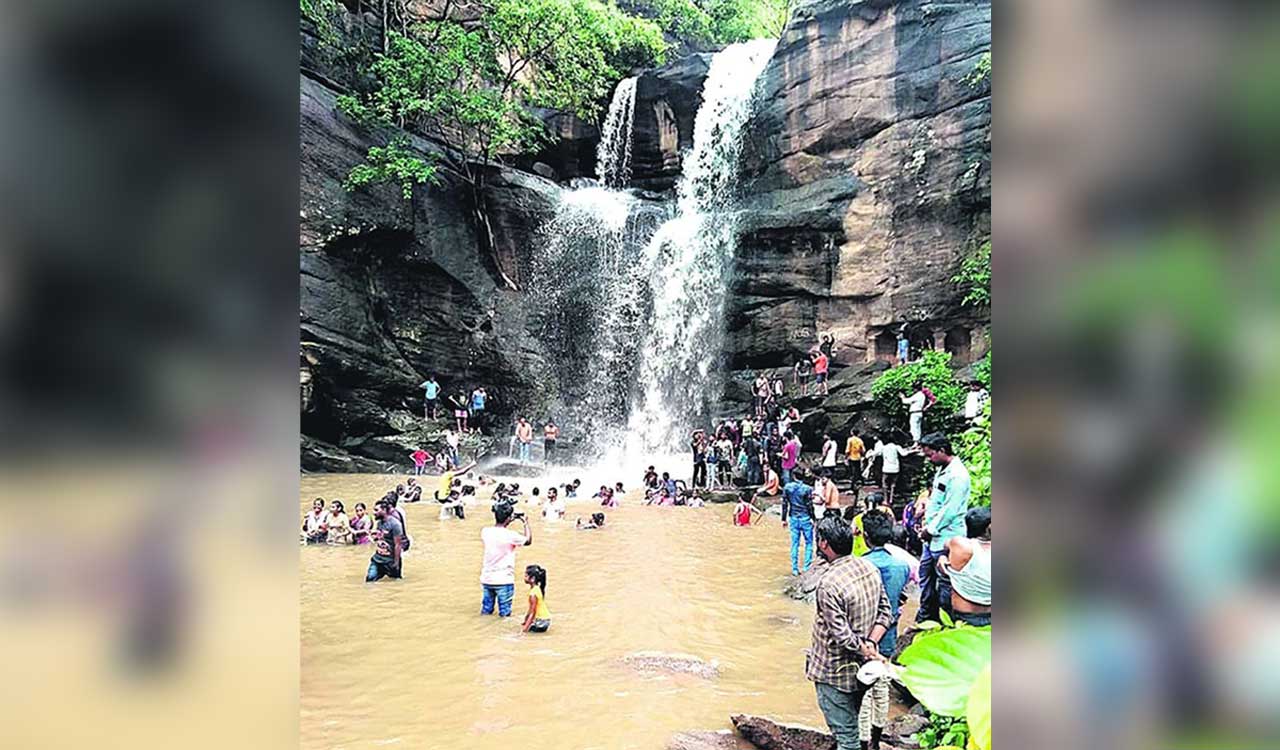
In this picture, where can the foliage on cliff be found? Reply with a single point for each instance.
(472, 86)
(932, 370)
(975, 277)
(719, 22)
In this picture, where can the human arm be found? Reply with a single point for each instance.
(528, 533)
(528, 618)
(831, 608)
(954, 503)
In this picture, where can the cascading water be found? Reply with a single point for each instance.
(613, 154)
(629, 293)
(690, 259)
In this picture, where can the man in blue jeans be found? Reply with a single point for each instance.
(797, 514)
(498, 573)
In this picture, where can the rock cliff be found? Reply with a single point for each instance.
(394, 290)
(865, 179)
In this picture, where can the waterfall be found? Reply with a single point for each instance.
(588, 305)
(629, 293)
(613, 154)
(690, 261)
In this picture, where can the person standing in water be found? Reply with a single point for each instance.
(538, 618)
(498, 571)
(388, 543)
(797, 515)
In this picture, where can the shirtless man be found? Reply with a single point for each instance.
(967, 562)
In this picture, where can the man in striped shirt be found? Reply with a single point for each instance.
(853, 614)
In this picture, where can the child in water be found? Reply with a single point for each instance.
(538, 618)
(743, 511)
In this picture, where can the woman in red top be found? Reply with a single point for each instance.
(742, 512)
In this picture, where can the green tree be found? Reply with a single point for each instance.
(722, 21)
(472, 86)
(975, 277)
(932, 370)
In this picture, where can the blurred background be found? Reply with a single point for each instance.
(148, 406)
(1137, 304)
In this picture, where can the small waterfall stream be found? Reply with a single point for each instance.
(613, 154)
(630, 292)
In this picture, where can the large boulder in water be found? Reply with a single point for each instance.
(661, 662)
(768, 734)
(723, 739)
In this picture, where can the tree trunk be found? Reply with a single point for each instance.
(484, 233)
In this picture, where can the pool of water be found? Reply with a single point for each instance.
(413, 664)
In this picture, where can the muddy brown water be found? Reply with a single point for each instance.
(412, 663)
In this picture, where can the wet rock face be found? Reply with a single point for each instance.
(393, 290)
(868, 179)
(770, 735)
(667, 100)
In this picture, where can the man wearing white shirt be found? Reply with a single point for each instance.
(974, 400)
(916, 403)
(829, 451)
(890, 454)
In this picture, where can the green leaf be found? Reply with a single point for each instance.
(941, 667)
(978, 710)
(947, 622)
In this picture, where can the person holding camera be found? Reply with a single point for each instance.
(498, 571)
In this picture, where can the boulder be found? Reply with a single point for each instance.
(767, 734)
(659, 662)
(723, 739)
(900, 732)
(803, 586)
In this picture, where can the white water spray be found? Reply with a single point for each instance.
(613, 154)
(690, 261)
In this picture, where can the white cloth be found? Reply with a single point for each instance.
(916, 401)
(829, 451)
(973, 403)
(917, 425)
(891, 452)
(500, 545)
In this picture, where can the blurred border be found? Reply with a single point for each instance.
(148, 407)
(1136, 304)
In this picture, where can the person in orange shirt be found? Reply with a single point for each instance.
(854, 449)
(820, 365)
(524, 435)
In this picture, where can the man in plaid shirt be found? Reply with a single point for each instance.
(853, 614)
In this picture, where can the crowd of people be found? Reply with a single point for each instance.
(859, 546)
